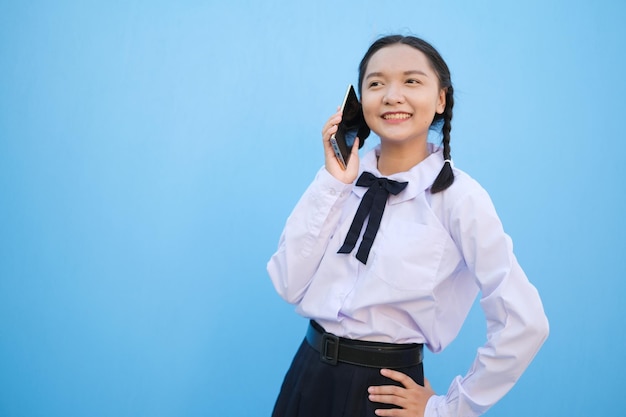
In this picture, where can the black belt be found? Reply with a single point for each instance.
(335, 349)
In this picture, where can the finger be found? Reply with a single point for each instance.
(385, 399)
(328, 132)
(404, 379)
(391, 412)
(355, 146)
(354, 155)
(386, 390)
(389, 399)
(331, 126)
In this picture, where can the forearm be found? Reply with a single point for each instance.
(516, 328)
(516, 323)
(306, 235)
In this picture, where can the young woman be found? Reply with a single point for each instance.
(376, 291)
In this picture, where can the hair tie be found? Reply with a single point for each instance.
(449, 161)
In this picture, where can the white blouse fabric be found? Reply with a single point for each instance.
(433, 254)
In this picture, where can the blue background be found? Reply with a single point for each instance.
(150, 152)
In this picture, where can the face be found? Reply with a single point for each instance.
(401, 94)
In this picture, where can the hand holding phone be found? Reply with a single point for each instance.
(352, 125)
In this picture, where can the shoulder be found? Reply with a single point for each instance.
(463, 187)
(466, 197)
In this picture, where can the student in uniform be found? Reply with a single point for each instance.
(389, 254)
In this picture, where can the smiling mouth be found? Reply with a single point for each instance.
(396, 116)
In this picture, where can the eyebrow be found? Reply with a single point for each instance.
(410, 72)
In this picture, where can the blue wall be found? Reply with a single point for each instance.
(150, 152)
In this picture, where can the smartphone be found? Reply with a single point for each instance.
(352, 125)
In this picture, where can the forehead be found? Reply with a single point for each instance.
(399, 58)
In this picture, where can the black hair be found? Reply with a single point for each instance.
(446, 176)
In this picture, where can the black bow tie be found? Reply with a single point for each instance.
(372, 205)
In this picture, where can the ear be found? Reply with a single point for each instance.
(441, 101)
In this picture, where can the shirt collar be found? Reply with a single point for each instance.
(420, 177)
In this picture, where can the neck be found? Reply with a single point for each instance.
(396, 157)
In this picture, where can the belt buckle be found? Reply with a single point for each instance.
(330, 348)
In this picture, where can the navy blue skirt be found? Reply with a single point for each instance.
(313, 388)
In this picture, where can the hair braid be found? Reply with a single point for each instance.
(446, 175)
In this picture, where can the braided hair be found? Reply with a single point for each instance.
(446, 175)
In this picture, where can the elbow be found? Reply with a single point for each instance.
(287, 293)
(544, 329)
(291, 297)
(286, 290)
(538, 329)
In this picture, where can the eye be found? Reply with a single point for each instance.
(413, 81)
(374, 84)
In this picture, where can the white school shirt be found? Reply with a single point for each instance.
(431, 257)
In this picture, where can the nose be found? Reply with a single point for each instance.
(393, 94)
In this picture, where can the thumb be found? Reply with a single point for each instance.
(355, 146)
(428, 387)
(353, 162)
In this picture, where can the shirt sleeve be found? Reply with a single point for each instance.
(516, 322)
(306, 236)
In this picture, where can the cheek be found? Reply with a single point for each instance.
(370, 111)
(367, 115)
(430, 105)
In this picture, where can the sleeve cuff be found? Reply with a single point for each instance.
(432, 406)
(328, 184)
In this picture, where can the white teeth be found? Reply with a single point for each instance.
(397, 116)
